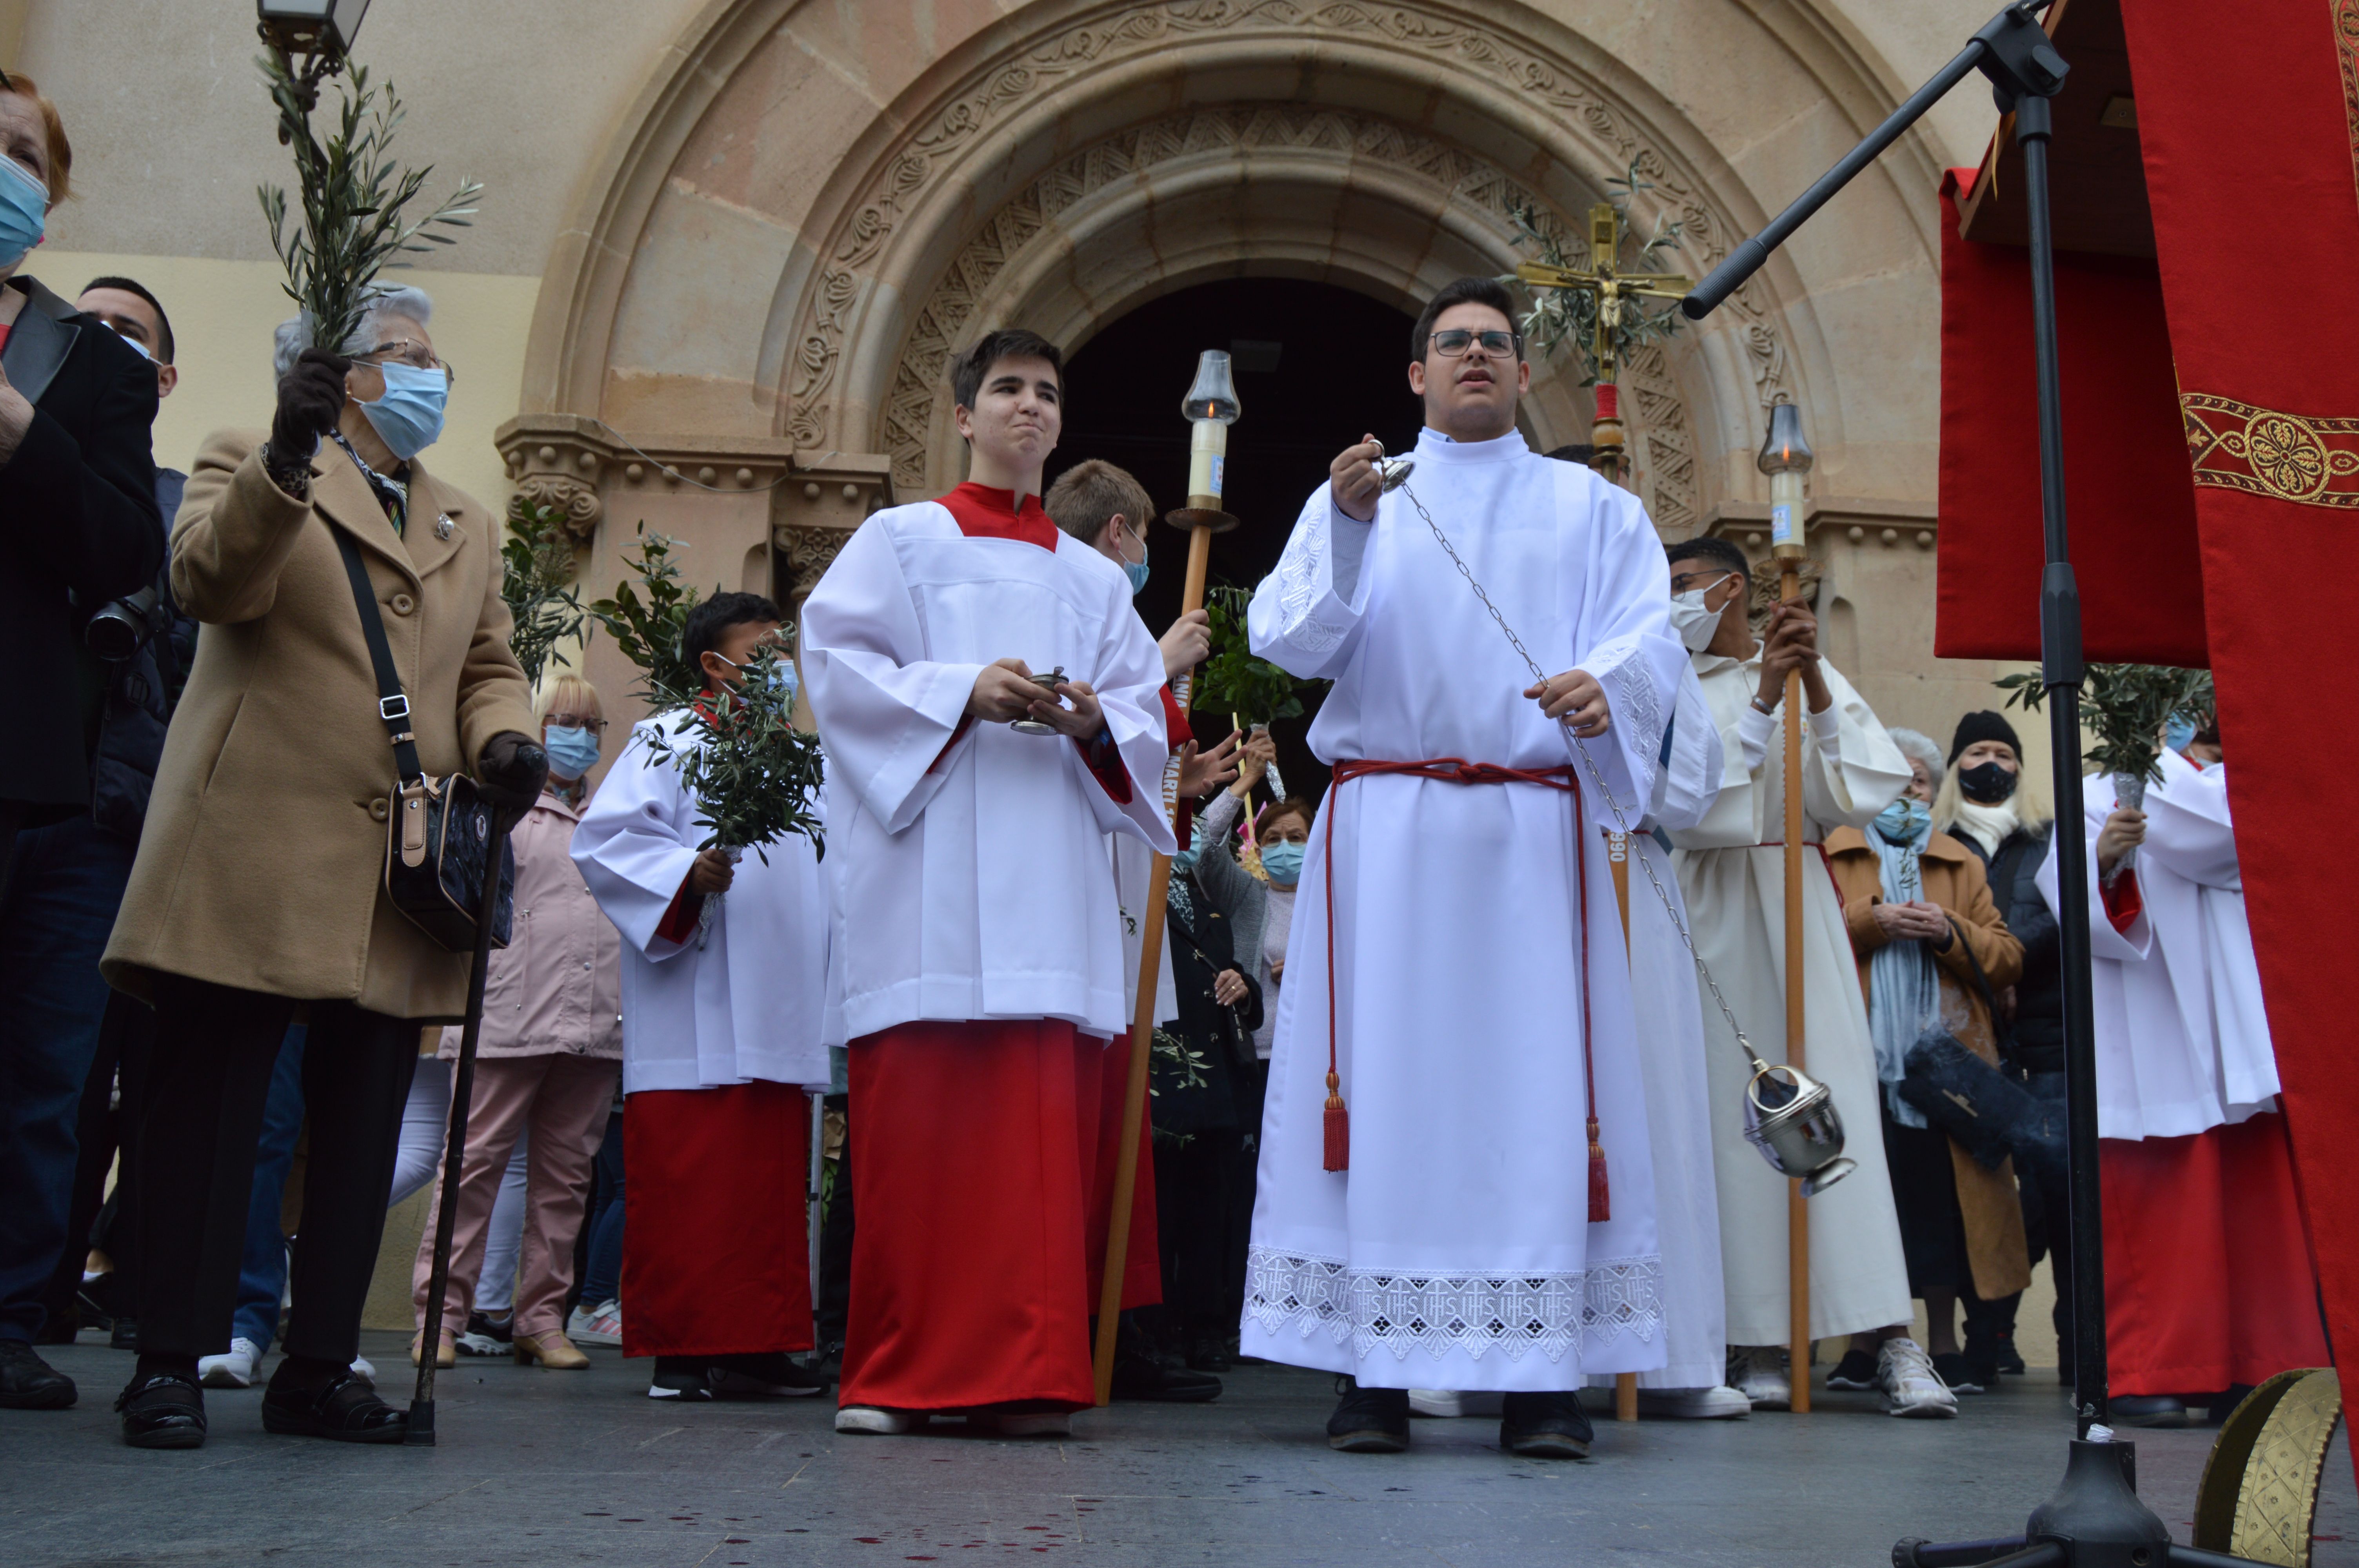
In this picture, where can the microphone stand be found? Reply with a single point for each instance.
(2094, 1519)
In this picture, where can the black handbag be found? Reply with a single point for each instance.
(1989, 1114)
(440, 831)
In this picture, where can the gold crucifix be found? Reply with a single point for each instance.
(1611, 285)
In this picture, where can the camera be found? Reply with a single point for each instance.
(120, 627)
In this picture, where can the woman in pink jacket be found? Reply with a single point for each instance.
(550, 1057)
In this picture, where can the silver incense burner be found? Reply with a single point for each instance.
(1392, 472)
(1034, 726)
(1791, 1118)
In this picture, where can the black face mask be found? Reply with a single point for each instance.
(1986, 784)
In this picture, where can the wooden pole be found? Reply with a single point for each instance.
(1142, 1034)
(1798, 1214)
(1617, 855)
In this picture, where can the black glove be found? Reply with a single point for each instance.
(512, 771)
(310, 402)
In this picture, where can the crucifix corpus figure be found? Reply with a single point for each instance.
(1613, 288)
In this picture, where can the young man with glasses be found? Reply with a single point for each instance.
(1428, 1211)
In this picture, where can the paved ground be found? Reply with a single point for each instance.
(540, 1467)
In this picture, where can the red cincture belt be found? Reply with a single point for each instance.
(1457, 769)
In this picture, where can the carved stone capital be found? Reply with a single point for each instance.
(557, 461)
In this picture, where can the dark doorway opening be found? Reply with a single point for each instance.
(1318, 366)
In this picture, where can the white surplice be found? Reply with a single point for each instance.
(1457, 1252)
(2163, 987)
(1732, 867)
(975, 881)
(751, 1002)
(1669, 1005)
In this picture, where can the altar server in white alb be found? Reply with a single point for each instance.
(723, 1028)
(1732, 867)
(981, 942)
(2210, 1286)
(1459, 1194)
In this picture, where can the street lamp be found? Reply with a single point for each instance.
(321, 31)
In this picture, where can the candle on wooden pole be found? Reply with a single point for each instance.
(1786, 456)
(1211, 407)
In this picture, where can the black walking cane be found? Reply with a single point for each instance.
(421, 1431)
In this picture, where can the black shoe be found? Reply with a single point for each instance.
(1137, 1375)
(2149, 1409)
(29, 1383)
(60, 1327)
(164, 1410)
(697, 1379)
(487, 1336)
(1369, 1421)
(1546, 1426)
(2223, 1404)
(1962, 1375)
(2000, 1352)
(1210, 1355)
(1856, 1370)
(343, 1408)
(124, 1336)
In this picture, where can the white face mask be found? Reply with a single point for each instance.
(1691, 623)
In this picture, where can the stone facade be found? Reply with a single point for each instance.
(759, 228)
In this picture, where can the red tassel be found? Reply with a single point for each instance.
(1338, 1127)
(1600, 1198)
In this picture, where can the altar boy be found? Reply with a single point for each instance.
(721, 1030)
(981, 969)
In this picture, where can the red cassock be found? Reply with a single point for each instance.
(983, 1166)
(715, 1259)
(2208, 1274)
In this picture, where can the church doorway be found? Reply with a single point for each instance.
(1316, 366)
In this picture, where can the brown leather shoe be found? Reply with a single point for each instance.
(444, 1358)
(552, 1350)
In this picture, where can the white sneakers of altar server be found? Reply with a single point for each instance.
(1758, 1372)
(243, 1365)
(1912, 1386)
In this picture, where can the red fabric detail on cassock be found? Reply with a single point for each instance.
(2123, 899)
(716, 1260)
(2272, 683)
(2208, 1275)
(680, 917)
(2126, 487)
(985, 514)
(977, 1160)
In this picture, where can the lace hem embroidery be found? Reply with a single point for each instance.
(1511, 1314)
(1298, 591)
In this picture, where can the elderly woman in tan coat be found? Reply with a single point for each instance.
(258, 894)
(1933, 949)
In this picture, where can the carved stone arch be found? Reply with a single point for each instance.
(962, 188)
(1019, 264)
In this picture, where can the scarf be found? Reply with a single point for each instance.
(1904, 988)
(1990, 825)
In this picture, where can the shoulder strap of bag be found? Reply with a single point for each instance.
(392, 703)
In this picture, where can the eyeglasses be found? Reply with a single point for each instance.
(416, 355)
(568, 721)
(1455, 340)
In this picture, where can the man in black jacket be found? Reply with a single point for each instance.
(78, 528)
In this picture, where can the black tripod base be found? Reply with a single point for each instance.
(2095, 1520)
(421, 1431)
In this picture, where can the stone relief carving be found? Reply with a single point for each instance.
(809, 552)
(1039, 68)
(576, 500)
(940, 324)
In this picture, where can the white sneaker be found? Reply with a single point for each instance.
(874, 1420)
(600, 1324)
(1912, 1386)
(1723, 1403)
(1446, 1402)
(235, 1370)
(1759, 1373)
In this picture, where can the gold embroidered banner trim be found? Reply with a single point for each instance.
(2346, 50)
(2261, 451)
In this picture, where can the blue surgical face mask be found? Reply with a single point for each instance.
(1283, 861)
(409, 417)
(24, 211)
(571, 753)
(1904, 821)
(2180, 734)
(1137, 572)
(782, 678)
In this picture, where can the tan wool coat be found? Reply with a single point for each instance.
(1954, 879)
(263, 862)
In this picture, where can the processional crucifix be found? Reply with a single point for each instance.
(1605, 279)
